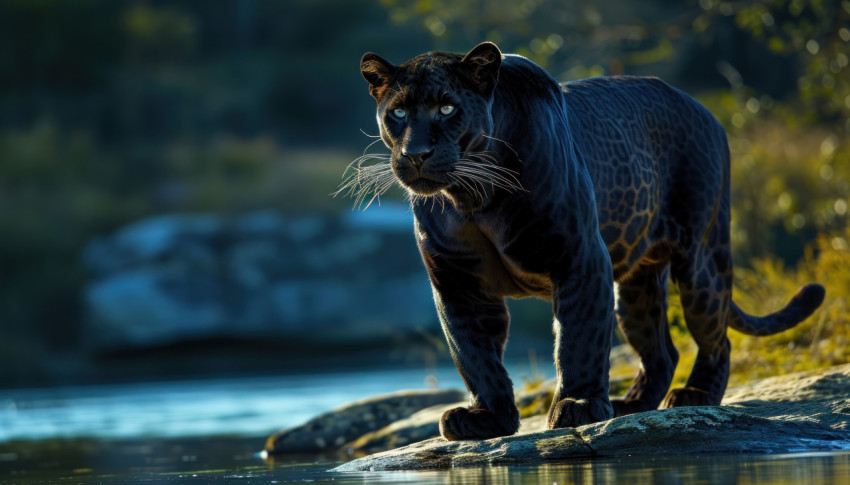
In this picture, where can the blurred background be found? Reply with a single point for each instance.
(166, 170)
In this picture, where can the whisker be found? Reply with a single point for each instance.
(483, 156)
(360, 179)
(502, 171)
(487, 158)
(479, 180)
(466, 182)
(487, 161)
(508, 145)
(370, 175)
(459, 180)
(370, 145)
(502, 178)
(358, 162)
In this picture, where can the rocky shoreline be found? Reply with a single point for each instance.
(800, 412)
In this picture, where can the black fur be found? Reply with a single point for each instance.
(523, 187)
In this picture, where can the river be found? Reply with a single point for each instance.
(212, 430)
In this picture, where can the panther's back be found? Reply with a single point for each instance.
(658, 159)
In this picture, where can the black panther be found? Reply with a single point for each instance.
(523, 187)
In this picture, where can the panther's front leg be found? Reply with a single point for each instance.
(476, 330)
(584, 322)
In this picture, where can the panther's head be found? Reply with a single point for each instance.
(434, 114)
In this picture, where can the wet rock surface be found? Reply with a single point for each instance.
(794, 413)
(335, 429)
(392, 420)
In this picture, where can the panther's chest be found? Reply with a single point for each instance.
(510, 252)
(518, 260)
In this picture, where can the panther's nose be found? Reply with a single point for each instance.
(417, 155)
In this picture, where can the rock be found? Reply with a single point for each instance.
(795, 413)
(421, 425)
(418, 426)
(330, 431)
(533, 403)
(190, 277)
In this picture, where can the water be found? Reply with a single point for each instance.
(244, 406)
(212, 430)
(231, 460)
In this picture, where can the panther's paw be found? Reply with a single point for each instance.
(471, 424)
(687, 396)
(569, 413)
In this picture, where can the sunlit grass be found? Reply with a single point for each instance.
(822, 340)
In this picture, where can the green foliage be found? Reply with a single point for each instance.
(114, 111)
(822, 340)
(789, 178)
(570, 37)
(159, 33)
(814, 32)
(231, 174)
(57, 43)
(57, 191)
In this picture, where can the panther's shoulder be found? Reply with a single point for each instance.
(633, 93)
(620, 82)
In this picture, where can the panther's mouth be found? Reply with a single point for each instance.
(425, 180)
(425, 185)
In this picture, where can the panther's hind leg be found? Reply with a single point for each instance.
(705, 284)
(642, 315)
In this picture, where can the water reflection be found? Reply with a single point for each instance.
(235, 460)
(212, 430)
(739, 469)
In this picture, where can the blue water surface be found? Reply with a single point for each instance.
(244, 406)
(212, 431)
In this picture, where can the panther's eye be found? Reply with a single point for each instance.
(400, 112)
(447, 109)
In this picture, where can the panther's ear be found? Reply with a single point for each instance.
(481, 66)
(377, 71)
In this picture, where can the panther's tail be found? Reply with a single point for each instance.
(807, 299)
